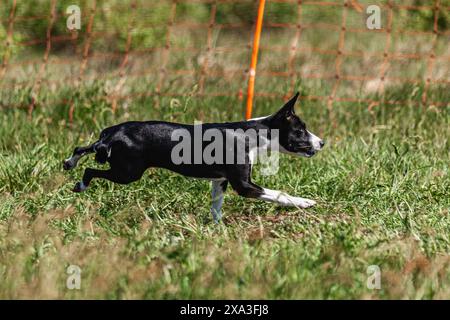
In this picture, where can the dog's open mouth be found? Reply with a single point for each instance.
(311, 152)
(308, 153)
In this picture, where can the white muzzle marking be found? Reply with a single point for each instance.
(316, 142)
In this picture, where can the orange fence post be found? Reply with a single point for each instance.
(252, 71)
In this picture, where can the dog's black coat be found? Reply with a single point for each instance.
(132, 147)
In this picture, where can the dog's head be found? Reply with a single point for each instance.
(294, 138)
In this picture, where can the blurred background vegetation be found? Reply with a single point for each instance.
(112, 16)
(224, 68)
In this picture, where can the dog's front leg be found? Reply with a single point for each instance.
(217, 192)
(285, 199)
(250, 190)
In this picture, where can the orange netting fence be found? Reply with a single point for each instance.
(167, 48)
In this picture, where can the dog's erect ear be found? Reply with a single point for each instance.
(288, 109)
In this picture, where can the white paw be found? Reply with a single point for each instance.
(304, 203)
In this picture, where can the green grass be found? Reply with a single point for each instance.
(382, 186)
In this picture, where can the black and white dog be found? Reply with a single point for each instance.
(132, 147)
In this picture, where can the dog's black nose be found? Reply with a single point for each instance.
(322, 143)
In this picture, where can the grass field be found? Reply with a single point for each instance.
(382, 185)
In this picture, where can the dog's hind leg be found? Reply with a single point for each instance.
(217, 191)
(79, 152)
(117, 176)
(88, 175)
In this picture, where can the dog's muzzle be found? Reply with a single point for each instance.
(316, 146)
(315, 142)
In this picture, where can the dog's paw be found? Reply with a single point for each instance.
(304, 203)
(79, 187)
(68, 164)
